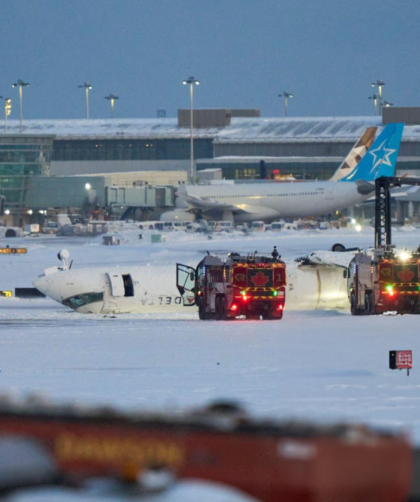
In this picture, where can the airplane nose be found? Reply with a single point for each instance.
(41, 284)
(48, 287)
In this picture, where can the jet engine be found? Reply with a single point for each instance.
(181, 215)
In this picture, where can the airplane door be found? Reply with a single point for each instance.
(117, 284)
(185, 282)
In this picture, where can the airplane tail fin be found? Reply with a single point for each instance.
(381, 158)
(356, 154)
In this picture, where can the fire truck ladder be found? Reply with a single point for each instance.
(383, 186)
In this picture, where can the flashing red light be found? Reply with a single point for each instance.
(391, 293)
(276, 171)
(234, 307)
(244, 298)
(280, 307)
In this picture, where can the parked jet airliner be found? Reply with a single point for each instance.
(270, 201)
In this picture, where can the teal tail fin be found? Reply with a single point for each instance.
(381, 158)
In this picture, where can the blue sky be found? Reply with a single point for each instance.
(244, 52)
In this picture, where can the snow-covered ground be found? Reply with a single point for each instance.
(181, 491)
(313, 365)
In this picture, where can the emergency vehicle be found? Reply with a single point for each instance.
(384, 280)
(253, 286)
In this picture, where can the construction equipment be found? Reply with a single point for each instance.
(253, 286)
(382, 279)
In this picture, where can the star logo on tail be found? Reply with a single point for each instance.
(381, 156)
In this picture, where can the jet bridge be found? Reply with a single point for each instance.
(144, 196)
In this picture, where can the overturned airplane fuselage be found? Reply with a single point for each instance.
(315, 282)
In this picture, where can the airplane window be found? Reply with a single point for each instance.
(79, 300)
(93, 297)
(76, 301)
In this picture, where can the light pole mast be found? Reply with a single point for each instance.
(21, 84)
(286, 95)
(112, 99)
(374, 98)
(192, 81)
(87, 87)
(7, 112)
(379, 84)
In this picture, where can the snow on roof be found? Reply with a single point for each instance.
(300, 129)
(109, 128)
(237, 159)
(246, 130)
(250, 129)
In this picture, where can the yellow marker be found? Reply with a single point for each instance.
(13, 251)
(6, 294)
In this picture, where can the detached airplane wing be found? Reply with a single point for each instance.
(206, 205)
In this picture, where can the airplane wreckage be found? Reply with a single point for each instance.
(317, 281)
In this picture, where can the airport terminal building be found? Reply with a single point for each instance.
(135, 153)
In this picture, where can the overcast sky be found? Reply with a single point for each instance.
(244, 52)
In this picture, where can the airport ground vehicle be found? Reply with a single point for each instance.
(211, 226)
(381, 279)
(269, 460)
(277, 226)
(224, 226)
(253, 286)
(258, 226)
(148, 225)
(51, 227)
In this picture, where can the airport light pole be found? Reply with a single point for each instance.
(379, 84)
(21, 84)
(5, 118)
(191, 81)
(7, 112)
(87, 87)
(286, 95)
(111, 98)
(374, 98)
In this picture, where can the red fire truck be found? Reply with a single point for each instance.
(383, 281)
(253, 286)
